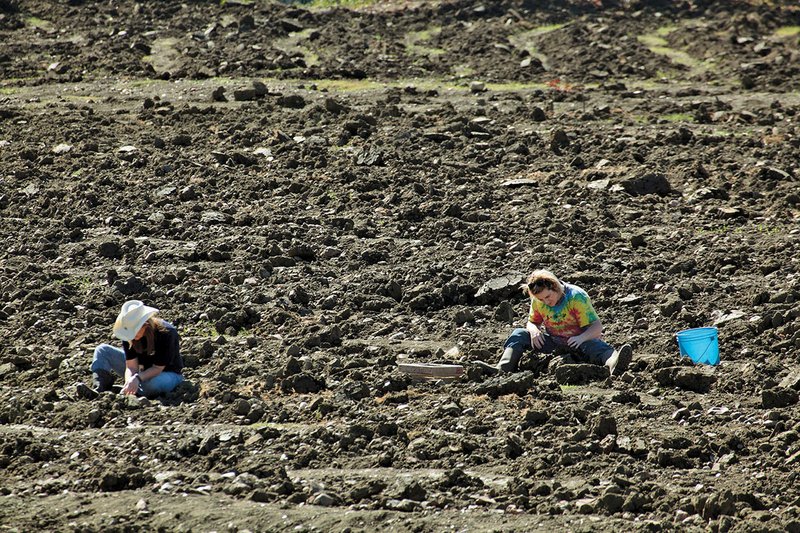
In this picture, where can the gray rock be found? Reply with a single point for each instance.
(218, 95)
(578, 374)
(244, 95)
(647, 183)
(792, 381)
(464, 316)
(778, 397)
(519, 383)
(110, 250)
(504, 312)
(559, 140)
(604, 425)
(611, 502)
(129, 286)
(333, 106)
(324, 499)
(672, 306)
(536, 417)
(369, 156)
(405, 505)
(497, 289)
(241, 407)
(83, 391)
(292, 100)
(631, 300)
(477, 87)
(260, 88)
(538, 114)
(693, 379)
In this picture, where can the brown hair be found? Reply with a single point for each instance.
(541, 280)
(147, 341)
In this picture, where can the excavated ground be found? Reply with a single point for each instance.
(314, 195)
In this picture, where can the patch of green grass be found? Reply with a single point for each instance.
(463, 71)
(526, 40)
(677, 56)
(330, 4)
(652, 40)
(81, 284)
(657, 44)
(678, 117)
(787, 31)
(204, 328)
(515, 86)
(565, 388)
(292, 45)
(347, 85)
(8, 90)
(663, 31)
(35, 22)
(414, 39)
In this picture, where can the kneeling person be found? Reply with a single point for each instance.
(149, 361)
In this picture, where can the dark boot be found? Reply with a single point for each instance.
(103, 380)
(85, 392)
(486, 368)
(509, 362)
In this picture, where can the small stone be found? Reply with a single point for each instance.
(62, 148)
(241, 407)
(260, 88)
(464, 316)
(218, 95)
(324, 499)
(538, 114)
(586, 505)
(681, 414)
(333, 106)
(477, 87)
(611, 502)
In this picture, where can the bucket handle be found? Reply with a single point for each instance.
(704, 351)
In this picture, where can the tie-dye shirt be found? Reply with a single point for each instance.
(571, 316)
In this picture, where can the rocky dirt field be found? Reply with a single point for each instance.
(315, 193)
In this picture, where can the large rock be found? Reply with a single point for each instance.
(580, 374)
(648, 183)
(693, 379)
(778, 397)
(518, 383)
(501, 288)
(792, 381)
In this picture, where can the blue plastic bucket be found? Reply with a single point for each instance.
(701, 345)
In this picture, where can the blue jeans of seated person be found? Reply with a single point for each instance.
(595, 351)
(112, 359)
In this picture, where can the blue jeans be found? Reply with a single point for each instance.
(595, 351)
(111, 359)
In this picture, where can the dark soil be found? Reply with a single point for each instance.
(311, 196)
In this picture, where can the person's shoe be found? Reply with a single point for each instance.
(509, 362)
(619, 360)
(83, 391)
(486, 368)
(102, 380)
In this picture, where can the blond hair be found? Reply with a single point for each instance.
(541, 280)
